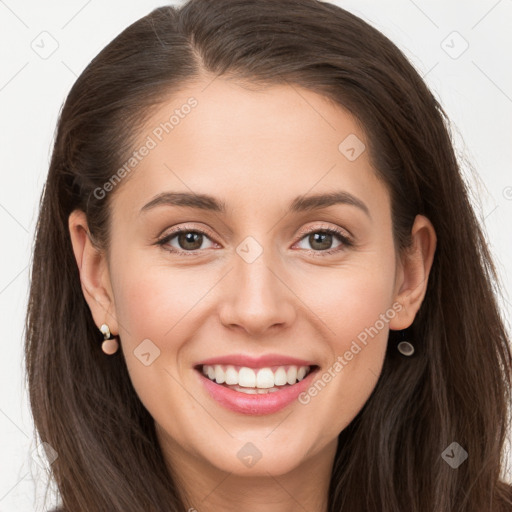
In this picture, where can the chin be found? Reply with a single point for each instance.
(259, 454)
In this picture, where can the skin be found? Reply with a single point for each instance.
(291, 300)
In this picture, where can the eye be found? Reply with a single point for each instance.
(321, 240)
(188, 241)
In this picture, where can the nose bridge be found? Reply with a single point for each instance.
(258, 298)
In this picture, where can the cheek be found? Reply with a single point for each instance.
(360, 307)
(355, 309)
(356, 317)
(351, 298)
(153, 306)
(151, 300)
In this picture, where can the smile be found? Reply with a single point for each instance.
(255, 386)
(255, 380)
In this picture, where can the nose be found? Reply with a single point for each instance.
(257, 297)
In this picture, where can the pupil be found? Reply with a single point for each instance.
(322, 237)
(185, 239)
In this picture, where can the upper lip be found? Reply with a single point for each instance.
(256, 362)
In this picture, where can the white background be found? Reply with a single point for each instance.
(475, 89)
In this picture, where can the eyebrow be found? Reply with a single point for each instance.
(210, 203)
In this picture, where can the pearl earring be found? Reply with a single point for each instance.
(109, 345)
(404, 347)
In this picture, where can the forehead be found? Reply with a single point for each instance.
(251, 147)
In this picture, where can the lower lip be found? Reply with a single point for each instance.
(267, 403)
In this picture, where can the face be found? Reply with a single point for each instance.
(267, 285)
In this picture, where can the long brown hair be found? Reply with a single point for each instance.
(456, 387)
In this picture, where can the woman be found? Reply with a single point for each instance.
(258, 282)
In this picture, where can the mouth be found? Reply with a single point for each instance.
(255, 380)
(252, 390)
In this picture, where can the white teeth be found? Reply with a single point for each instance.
(247, 377)
(220, 376)
(265, 378)
(249, 391)
(291, 375)
(254, 391)
(259, 380)
(280, 377)
(231, 376)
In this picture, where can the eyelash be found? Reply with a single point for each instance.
(346, 241)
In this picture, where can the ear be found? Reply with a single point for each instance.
(412, 275)
(94, 274)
